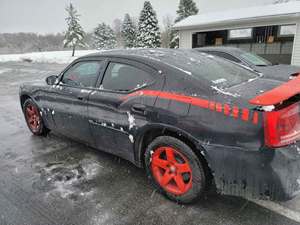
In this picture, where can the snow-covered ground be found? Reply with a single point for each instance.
(46, 57)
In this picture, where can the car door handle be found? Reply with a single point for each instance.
(139, 109)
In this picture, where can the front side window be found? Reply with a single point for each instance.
(82, 74)
(123, 77)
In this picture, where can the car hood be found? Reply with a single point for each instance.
(279, 72)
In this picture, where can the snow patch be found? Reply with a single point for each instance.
(252, 79)
(298, 149)
(225, 92)
(268, 108)
(84, 91)
(131, 138)
(218, 81)
(210, 56)
(5, 70)
(61, 57)
(131, 120)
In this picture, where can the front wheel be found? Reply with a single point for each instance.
(175, 170)
(33, 118)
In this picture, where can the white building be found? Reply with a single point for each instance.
(272, 31)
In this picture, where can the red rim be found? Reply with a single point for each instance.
(33, 117)
(171, 170)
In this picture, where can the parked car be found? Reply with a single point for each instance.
(275, 71)
(192, 120)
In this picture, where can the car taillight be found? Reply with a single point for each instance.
(282, 127)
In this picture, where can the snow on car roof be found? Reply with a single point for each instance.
(242, 14)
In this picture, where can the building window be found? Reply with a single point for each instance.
(240, 33)
(287, 30)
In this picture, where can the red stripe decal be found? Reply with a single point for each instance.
(235, 111)
(200, 102)
(255, 118)
(212, 106)
(215, 106)
(245, 114)
(219, 107)
(226, 109)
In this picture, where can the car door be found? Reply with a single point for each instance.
(114, 120)
(69, 109)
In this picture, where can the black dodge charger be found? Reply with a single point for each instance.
(194, 121)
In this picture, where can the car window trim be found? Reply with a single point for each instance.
(99, 72)
(133, 63)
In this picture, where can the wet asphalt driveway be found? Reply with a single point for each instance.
(53, 180)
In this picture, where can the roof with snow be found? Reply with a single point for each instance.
(290, 10)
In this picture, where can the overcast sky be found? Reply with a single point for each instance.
(47, 16)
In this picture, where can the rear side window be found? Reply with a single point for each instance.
(123, 77)
(209, 69)
(83, 74)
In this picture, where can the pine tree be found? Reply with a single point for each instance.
(186, 8)
(129, 32)
(117, 28)
(104, 37)
(148, 29)
(74, 35)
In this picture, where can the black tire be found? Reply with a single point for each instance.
(198, 180)
(40, 129)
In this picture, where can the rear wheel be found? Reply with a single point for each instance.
(175, 170)
(33, 118)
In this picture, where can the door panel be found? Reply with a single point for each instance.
(70, 112)
(69, 106)
(113, 120)
(109, 123)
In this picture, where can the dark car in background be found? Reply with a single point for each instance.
(269, 70)
(193, 121)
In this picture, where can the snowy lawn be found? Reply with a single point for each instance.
(61, 57)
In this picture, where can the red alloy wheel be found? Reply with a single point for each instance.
(33, 117)
(171, 170)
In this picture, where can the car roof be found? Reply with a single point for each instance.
(158, 57)
(152, 54)
(231, 50)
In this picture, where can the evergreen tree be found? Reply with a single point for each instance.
(74, 35)
(129, 32)
(148, 29)
(117, 28)
(186, 8)
(104, 37)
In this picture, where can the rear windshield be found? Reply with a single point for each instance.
(255, 59)
(219, 72)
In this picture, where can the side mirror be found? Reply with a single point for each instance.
(51, 80)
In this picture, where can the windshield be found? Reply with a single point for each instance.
(255, 59)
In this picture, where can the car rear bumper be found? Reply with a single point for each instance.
(265, 174)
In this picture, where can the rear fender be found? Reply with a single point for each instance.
(163, 129)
